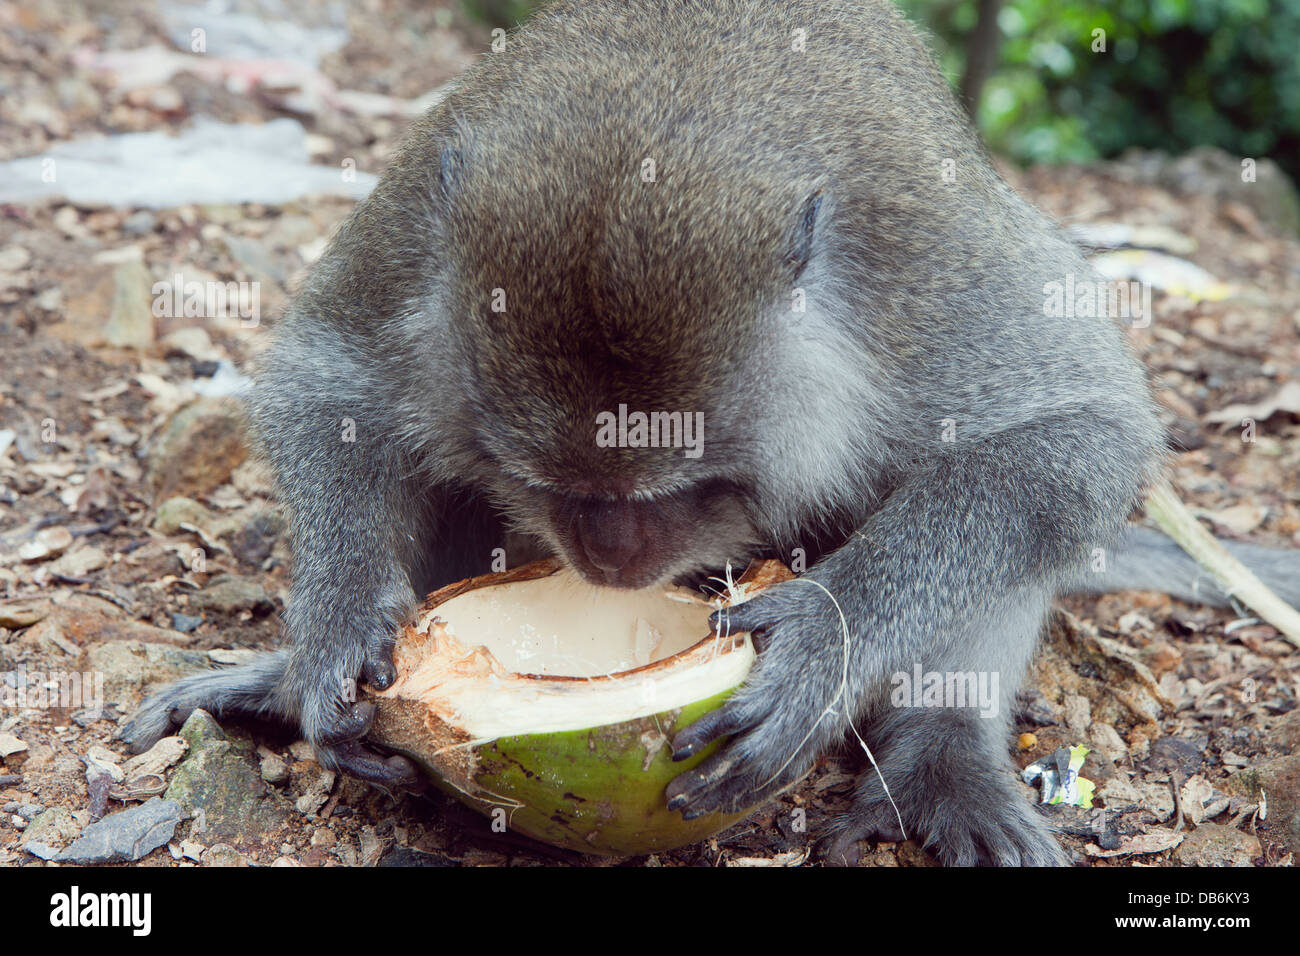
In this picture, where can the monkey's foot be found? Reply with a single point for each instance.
(971, 822)
(343, 750)
(250, 690)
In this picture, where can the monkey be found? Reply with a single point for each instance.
(773, 215)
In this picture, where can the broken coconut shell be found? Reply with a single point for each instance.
(548, 704)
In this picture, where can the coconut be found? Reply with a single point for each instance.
(548, 704)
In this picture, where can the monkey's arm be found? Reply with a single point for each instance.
(354, 524)
(945, 576)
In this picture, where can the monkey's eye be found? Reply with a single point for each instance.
(801, 243)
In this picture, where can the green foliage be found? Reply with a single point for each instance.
(1174, 74)
(500, 13)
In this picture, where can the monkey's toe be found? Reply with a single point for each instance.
(393, 772)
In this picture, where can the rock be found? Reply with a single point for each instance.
(1213, 845)
(184, 623)
(173, 513)
(157, 758)
(1279, 780)
(227, 594)
(192, 341)
(1207, 170)
(223, 854)
(79, 563)
(131, 666)
(219, 785)
(19, 614)
(198, 449)
(301, 750)
(47, 543)
(126, 836)
(82, 619)
(140, 223)
(53, 829)
(1106, 740)
(131, 322)
(316, 793)
(14, 258)
(274, 769)
(1283, 735)
(13, 751)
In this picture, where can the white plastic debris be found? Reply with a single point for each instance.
(217, 163)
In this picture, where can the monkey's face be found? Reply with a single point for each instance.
(611, 332)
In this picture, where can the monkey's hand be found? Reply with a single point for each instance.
(790, 708)
(338, 643)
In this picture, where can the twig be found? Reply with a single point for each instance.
(1237, 580)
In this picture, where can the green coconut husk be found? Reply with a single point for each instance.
(578, 762)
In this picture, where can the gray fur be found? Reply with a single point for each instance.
(826, 430)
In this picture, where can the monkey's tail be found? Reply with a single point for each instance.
(243, 689)
(1147, 560)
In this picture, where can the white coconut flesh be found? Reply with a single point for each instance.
(555, 653)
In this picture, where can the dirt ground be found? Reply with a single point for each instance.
(137, 539)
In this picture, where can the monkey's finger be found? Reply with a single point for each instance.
(725, 720)
(749, 616)
(351, 725)
(379, 672)
(684, 788)
(394, 772)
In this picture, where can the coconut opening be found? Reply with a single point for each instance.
(560, 625)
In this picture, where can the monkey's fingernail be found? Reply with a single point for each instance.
(379, 674)
(405, 774)
(677, 802)
(683, 752)
(694, 812)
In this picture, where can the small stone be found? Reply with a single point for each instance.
(217, 783)
(253, 542)
(157, 758)
(274, 769)
(185, 623)
(175, 512)
(1213, 845)
(301, 750)
(198, 449)
(140, 223)
(131, 322)
(20, 614)
(1278, 780)
(130, 666)
(47, 543)
(126, 836)
(228, 594)
(79, 563)
(13, 258)
(53, 828)
(324, 837)
(1284, 734)
(13, 751)
(193, 342)
(223, 854)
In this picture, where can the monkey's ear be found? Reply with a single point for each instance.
(801, 243)
(451, 163)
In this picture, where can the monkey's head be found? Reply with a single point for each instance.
(614, 318)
